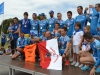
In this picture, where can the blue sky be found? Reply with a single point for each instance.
(16, 8)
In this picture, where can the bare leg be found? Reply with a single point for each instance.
(77, 58)
(87, 60)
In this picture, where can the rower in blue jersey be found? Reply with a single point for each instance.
(59, 20)
(25, 25)
(64, 43)
(21, 43)
(34, 24)
(69, 23)
(42, 23)
(51, 21)
(96, 12)
(81, 17)
(93, 19)
(43, 35)
(93, 59)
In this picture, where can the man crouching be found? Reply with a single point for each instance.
(21, 43)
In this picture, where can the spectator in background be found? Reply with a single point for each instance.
(42, 23)
(3, 39)
(59, 20)
(25, 25)
(34, 24)
(82, 18)
(8, 51)
(51, 21)
(21, 43)
(2, 51)
(10, 31)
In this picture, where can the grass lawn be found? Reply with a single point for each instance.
(6, 45)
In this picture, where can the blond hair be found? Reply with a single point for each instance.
(87, 27)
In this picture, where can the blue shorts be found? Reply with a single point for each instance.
(61, 51)
(22, 47)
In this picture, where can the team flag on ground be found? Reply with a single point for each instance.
(2, 8)
(30, 52)
(49, 55)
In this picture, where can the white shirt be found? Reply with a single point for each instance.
(77, 37)
(85, 47)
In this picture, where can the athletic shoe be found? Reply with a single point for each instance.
(67, 63)
(71, 59)
(85, 68)
(81, 65)
(73, 63)
(77, 64)
(97, 70)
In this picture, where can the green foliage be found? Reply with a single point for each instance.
(5, 24)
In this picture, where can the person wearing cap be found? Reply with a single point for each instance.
(43, 35)
(42, 23)
(59, 20)
(21, 43)
(25, 25)
(51, 21)
(34, 24)
(33, 39)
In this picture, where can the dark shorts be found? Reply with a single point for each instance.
(21, 47)
(2, 44)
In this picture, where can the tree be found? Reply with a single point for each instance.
(4, 25)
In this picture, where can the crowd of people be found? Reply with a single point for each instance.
(74, 36)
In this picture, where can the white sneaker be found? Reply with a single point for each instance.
(77, 64)
(73, 63)
(81, 65)
(71, 59)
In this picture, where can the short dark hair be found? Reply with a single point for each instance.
(69, 12)
(26, 13)
(78, 24)
(15, 18)
(87, 35)
(98, 5)
(80, 7)
(57, 24)
(65, 28)
(59, 13)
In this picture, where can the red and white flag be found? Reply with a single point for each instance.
(49, 55)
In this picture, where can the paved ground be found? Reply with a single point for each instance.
(5, 71)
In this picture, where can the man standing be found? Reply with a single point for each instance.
(15, 34)
(25, 25)
(42, 23)
(51, 21)
(69, 23)
(81, 17)
(93, 19)
(34, 24)
(59, 20)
